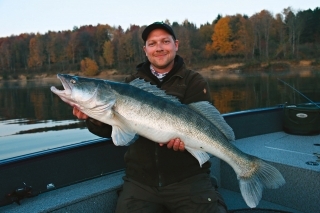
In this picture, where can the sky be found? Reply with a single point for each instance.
(41, 16)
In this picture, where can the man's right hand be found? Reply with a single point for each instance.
(80, 115)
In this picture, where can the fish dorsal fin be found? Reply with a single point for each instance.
(213, 115)
(146, 86)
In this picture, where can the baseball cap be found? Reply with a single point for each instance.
(157, 25)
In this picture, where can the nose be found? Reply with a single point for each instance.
(159, 46)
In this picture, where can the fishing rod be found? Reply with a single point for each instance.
(298, 92)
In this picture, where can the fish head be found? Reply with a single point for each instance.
(91, 96)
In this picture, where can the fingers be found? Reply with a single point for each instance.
(181, 146)
(176, 144)
(170, 143)
(80, 115)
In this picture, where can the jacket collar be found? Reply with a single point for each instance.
(177, 69)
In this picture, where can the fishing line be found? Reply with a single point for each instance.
(298, 92)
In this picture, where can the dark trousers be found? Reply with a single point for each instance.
(192, 195)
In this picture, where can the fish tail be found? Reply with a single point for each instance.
(265, 176)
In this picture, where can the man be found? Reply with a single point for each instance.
(164, 178)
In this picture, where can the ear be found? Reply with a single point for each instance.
(176, 43)
(144, 49)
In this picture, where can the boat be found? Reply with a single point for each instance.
(86, 177)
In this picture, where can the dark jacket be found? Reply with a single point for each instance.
(146, 161)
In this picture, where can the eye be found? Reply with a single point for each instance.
(151, 44)
(72, 81)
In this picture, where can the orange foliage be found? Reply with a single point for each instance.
(108, 53)
(221, 37)
(36, 56)
(89, 67)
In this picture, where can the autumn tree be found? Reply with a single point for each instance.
(137, 43)
(102, 34)
(49, 39)
(5, 54)
(89, 67)
(72, 45)
(221, 43)
(36, 55)
(266, 21)
(257, 32)
(238, 35)
(290, 34)
(204, 35)
(116, 36)
(183, 34)
(61, 50)
(87, 45)
(108, 54)
(280, 32)
(245, 36)
(125, 51)
(291, 22)
(19, 52)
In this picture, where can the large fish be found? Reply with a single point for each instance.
(139, 108)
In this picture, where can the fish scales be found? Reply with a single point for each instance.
(167, 118)
(138, 108)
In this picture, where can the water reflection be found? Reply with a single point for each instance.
(233, 92)
(33, 103)
(32, 118)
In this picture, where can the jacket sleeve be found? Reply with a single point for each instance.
(103, 130)
(197, 90)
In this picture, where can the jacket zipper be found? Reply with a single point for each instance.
(156, 154)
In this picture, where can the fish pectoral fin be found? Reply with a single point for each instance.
(123, 136)
(201, 156)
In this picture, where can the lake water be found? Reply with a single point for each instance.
(33, 119)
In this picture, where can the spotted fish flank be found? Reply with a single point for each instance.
(141, 109)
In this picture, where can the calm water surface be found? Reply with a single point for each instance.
(33, 119)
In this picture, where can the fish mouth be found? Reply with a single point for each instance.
(66, 88)
(65, 93)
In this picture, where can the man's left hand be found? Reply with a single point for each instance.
(176, 144)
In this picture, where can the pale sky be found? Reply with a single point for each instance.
(33, 16)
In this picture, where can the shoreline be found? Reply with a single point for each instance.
(304, 67)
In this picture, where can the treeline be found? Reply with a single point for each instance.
(261, 37)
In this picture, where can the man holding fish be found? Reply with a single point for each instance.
(164, 178)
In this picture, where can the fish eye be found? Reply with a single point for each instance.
(72, 81)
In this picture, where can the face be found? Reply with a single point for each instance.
(161, 50)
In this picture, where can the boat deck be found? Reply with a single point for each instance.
(288, 153)
(280, 147)
(293, 156)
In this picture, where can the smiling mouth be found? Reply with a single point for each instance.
(160, 55)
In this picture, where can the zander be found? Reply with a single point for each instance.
(141, 109)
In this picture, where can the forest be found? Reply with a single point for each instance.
(263, 37)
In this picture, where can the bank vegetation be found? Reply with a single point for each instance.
(262, 42)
